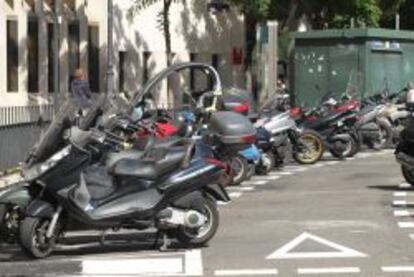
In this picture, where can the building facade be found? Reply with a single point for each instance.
(26, 45)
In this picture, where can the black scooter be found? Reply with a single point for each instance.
(67, 187)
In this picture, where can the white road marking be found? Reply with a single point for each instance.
(295, 168)
(364, 155)
(396, 269)
(341, 251)
(401, 213)
(193, 263)
(400, 203)
(404, 185)
(283, 173)
(255, 183)
(188, 263)
(267, 178)
(332, 163)
(246, 272)
(329, 270)
(318, 165)
(411, 236)
(350, 158)
(406, 225)
(235, 195)
(240, 188)
(132, 266)
(400, 194)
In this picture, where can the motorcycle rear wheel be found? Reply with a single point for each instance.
(240, 168)
(204, 234)
(408, 175)
(350, 149)
(267, 163)
(311, 150)
(385, 138)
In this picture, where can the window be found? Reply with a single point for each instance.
(33, 54)
(93, 57)
(73, 34)
(51, 57)
(12, 57)
(146, 69)
(122, 65)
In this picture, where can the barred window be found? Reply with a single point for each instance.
(12, 56)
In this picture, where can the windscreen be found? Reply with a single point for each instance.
(67, 116)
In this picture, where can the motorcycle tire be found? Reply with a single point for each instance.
(267, 163)
(240, 168)
(251, 172)
(349, 151)
(33, 239)
(313, 150)
(356, 147)
(197, 237)
(386, 138)
(408, 175)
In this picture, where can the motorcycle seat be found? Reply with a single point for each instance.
(159, 163)
(367, 109)
(114, 157)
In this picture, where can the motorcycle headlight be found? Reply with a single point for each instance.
(37, 170)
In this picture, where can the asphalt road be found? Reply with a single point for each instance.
(351, 218)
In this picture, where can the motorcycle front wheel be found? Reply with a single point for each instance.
(310, 148)
(33, 239)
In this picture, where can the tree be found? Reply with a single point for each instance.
(163, 19)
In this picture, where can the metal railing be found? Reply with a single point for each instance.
(20, 129)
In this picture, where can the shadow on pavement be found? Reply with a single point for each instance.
(87, 246)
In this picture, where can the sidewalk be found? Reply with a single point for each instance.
(10, 179)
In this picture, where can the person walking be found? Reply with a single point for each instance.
(81, 90)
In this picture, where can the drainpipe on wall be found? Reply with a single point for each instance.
(110, 65)
(56, 49)
(397, 21)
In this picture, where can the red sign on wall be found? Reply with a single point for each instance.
(237, 56)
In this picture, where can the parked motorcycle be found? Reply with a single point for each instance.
(405, 149)
(285, 136)
(336, 127)
(69, 187)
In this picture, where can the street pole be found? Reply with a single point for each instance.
(56, 48)
(110, 65)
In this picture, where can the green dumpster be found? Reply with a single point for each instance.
(360, 61)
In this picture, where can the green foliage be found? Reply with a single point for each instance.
(322, 13)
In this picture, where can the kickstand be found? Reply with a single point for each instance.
(157, 238)
(102, 238)
(166, 242)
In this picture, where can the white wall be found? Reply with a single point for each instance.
(193, 29)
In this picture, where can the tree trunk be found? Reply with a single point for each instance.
(250, 22)
(167, 32)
